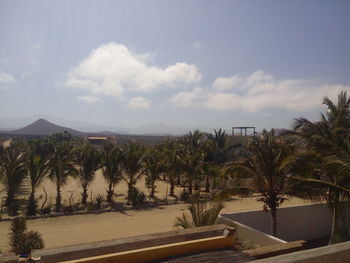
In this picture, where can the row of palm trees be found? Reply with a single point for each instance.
(312, 160)
(60, 157)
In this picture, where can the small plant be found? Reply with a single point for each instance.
(202, 213)
(96, 202)
(22, 242)
(46, 210)
(136, 197)
(68, 209)
(184, 196)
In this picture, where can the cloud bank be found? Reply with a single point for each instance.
(257, 92)
(6, 78)
(114, 70)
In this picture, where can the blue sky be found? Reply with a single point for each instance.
(186, 63)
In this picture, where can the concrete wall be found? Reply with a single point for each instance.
(293, 223)
(248, 234)
(337, 253)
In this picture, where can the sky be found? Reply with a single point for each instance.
(189, 64)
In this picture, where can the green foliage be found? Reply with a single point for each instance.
(111, 168)
(132, 164)
(136, 197)
(153, 164)
(184, 196)
(17, 233)
(22, 242)
(61, 167)
(12, 172)
(88, 160)
(202, 213)
(327, 151)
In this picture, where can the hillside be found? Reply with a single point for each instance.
(44, 127)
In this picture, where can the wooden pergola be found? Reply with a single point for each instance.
(242, 130)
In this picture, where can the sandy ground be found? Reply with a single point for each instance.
(77, 229)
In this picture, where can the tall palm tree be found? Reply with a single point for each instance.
(324, 141)
(37, 167)
(172, 162)
(12, 172)
(61, 167)
(212, 172)
(88, 160)
(132, 164)
(111, 168)
(268, 166)
(153, 162)
(192, 156)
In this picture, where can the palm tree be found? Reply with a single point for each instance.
(88, 160)
(61, 167)
(211, 172)
(111, 168)
(325, 141)
(37, 167)
(132, 164)
(172, 163)
(192, 156)
(268, 166)
(153, 166)
(12, 172)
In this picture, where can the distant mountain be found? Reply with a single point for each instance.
(44, 127)
(9, 124)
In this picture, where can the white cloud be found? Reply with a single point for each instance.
(257, 92)
(113, 70)
(139, 103)
(6, 78)
(37, 46)
(188, 98)
(89, 99)
(230, 83)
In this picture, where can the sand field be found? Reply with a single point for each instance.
(77, 229)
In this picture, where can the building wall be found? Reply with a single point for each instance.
(248, 235)
(293, 223)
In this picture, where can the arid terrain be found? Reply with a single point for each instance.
(76, 229)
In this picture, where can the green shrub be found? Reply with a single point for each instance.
(22, 242)
(184, 195)
(202, 213)
(136, 196)
(96, 202)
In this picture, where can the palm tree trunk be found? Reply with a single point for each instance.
(58, 196)
(31, 205)
(10, 197)
(190, 185)
(153, 189)
(207, 184)
(178, 179)
(84, 195)
(332, 238)
(274, 220)
(196, 185)
(110, 193)
(172, 184)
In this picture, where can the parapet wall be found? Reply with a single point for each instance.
(293, 223)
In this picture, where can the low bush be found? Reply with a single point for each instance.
(136, 197)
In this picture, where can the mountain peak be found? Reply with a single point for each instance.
(44, 127)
